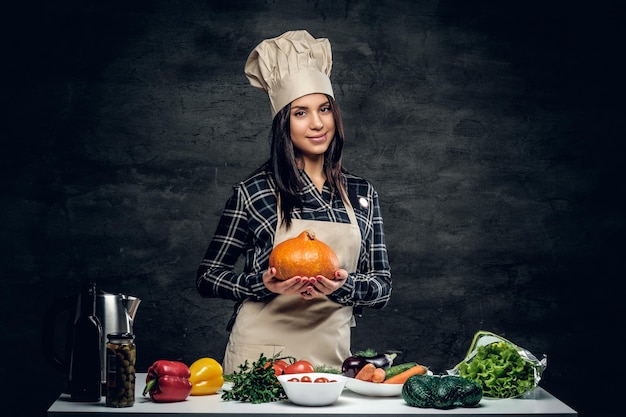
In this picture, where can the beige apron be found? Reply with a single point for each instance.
(316, 330)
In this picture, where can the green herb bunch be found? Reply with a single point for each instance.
(255, 383)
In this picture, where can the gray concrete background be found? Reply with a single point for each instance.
(490, 130)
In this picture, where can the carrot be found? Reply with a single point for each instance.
(366, 373)
(379, 375)
(403, 376)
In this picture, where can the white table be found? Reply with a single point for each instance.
(537, 403)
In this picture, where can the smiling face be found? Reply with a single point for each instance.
(312, 125)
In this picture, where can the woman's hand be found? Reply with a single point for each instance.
(321, 286)
(291, 286)
(307, 287)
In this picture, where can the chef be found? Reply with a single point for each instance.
(301, 186)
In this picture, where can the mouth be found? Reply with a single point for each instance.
(317, 138)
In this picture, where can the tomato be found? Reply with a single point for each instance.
(305, 378)
(278, 366)
(299, 367)
(281, 363)
(293, 380)
(321, 379)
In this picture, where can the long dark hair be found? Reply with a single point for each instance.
(283, 161)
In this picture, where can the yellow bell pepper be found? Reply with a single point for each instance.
(207, 376)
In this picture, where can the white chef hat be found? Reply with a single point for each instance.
(290, 66)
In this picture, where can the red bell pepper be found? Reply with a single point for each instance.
(168, 381)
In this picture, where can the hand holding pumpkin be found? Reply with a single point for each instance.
(324, 286)
(306, 287)
(293, 286)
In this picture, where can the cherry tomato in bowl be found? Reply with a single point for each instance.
(311, 393)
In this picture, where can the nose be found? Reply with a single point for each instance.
(316, 122)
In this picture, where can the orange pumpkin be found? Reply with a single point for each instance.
(304, 256)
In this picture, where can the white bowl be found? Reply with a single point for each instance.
(373, 389)
(313, 393)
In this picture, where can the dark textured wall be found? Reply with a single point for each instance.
(489, 129)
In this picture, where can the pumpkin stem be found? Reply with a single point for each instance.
(310, 234)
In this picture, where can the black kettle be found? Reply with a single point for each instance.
(116, 313)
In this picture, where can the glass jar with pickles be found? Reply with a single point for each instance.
(121, 357)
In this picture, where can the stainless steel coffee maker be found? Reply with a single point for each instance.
(116, 313)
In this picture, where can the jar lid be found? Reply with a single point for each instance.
(121, 337)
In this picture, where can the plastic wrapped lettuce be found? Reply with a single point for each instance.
(503, 369)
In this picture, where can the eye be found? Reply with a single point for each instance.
(326, 109)
(299, 113)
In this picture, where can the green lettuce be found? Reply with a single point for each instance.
(500, 370)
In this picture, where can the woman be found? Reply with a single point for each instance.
(302, 186)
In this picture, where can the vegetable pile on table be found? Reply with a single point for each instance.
(353, 364)
(257, 383)
(371, 366)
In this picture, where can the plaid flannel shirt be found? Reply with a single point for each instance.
(247, 228)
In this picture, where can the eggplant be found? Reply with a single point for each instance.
(353, 364)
